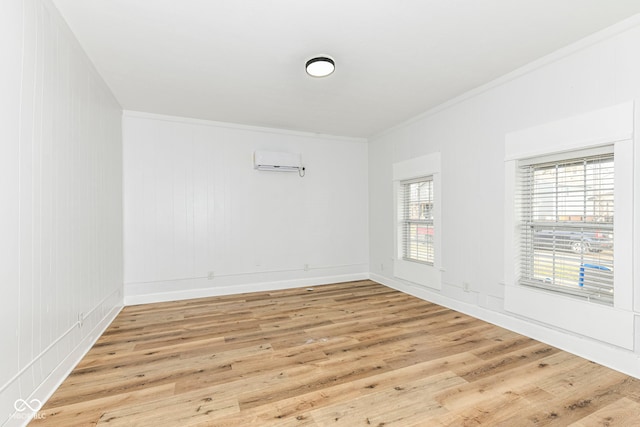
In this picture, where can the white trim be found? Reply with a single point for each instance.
(422, 274)
(45, 390)
(636, 224)
(600, 150)
(211, 123)
(608, 126)
(610, 356)
(623, 226)
(582, 44)
(417, 167)
(239, 289)
(510, 243)
(597, 128)
(415, 272)
(607, 324)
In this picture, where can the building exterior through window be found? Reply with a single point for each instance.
(566, 232)
(416, 216)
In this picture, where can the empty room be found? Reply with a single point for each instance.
(338, 213)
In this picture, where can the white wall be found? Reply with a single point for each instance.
(469, 132)
(61, 208)
(194, 205)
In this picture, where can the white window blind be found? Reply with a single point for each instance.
(566, 231)
(416, 220)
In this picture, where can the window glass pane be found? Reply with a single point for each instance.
(416, 215)
(567, 226)
(579, 191)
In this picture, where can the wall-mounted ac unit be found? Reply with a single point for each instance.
(276, 161)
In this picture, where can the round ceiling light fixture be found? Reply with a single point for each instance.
(320, 66)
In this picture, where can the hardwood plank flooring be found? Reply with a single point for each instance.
(348, 354)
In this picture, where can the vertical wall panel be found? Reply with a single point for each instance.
(11, 28)
(61, 212)
(194, 205)
(470, 135)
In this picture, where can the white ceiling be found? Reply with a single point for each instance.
(242, 61)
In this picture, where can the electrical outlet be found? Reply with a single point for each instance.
(80, 319)
(211, 275)
(381, 266)
(465, 286)
(306, 267)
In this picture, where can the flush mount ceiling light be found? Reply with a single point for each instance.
(320, 66)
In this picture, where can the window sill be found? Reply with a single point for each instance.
(418, 273)
(590, 319)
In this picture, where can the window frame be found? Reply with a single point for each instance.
(608, 126)
(552, 254)
(411, 272)
(406, 223)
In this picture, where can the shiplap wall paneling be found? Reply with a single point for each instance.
(61, 214)
(200, 220)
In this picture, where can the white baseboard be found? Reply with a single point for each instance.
(51, 383)
(239, 289)
(613, 357)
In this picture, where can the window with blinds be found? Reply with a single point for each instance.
(566, 231)
(416, 220)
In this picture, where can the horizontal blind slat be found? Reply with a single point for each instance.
(416, 219)
(566, 226)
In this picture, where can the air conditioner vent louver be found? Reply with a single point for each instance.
(276, 161)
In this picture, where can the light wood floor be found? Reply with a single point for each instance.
(348, 354)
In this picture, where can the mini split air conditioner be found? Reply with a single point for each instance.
(277, 161)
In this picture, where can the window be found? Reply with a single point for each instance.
(561, 178)
(417, 189)
(416, 220)
(566, 224)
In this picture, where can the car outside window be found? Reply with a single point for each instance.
(566, 232)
